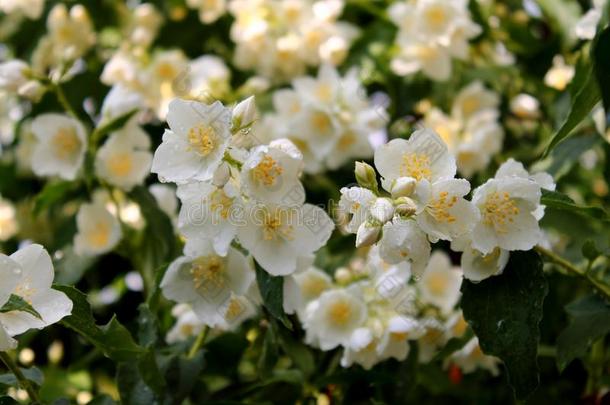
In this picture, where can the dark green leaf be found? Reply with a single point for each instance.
(16, 303)
(8, 401)
(150, 373)
(148, 329)
(182, 374)
(298, 352)
(601, 60)
(113, 339)
(583, 103)
(556, 200)
(132, 388)
(33, 374)
(269, 354)
(272, 292)
(589, 250)
(504, 312)
(102, 400)
(590, 321)
(114, 125)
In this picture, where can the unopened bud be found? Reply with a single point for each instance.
(244, 113)
(403, 187)
(32, 90)
(367, 234)
(382, 210)
(405, 206)
(366, 176)
(343, 275)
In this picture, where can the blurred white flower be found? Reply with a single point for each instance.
(470, 358)
(62, 143)
(441, 282)
(559, 75)
(525, 106)
(587, 25)
(98, 232)
(124, 160)
(8, 223)
(187, 325)
(209, 10)
(32, 9)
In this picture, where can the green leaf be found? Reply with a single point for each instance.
(295, 349)
(272, 292)
(148, 328)
(582, 104)
(6, 400)
(590, 321)
(589, 250)
(33, 374)
(269, 354)
(16, 303)
(556, 200)
(132, 387)
(113, 125)
(504, 312)
(601, 62)
(564, 14)
(56, 193)
(182, 375)
(113, 339)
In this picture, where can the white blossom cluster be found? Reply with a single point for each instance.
(28, 274)
(425, 203)
(373, 310)
(472, 131)
(238, 204)
(280, 39)
(430, 34)
(329, 118)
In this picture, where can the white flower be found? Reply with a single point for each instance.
(512, 168)
(12, 75)
(245, 113)
(209, 10)
(166, 199)
(508, 207)
(334, 316)
(276, 236)
(196, 143)
(403, 240)
(587, 25)
(30, 8)
(440, 283)
(208, 78)
(447, 214)
(433, 338)
(208, 213)
(61, 146)
(433, 60)
(124, 160)
(361, 349)
(35, 277)
(8, 222)
(271, 173)
(98, 230)
(187, 325)
(395, 341)
(472, 99)
(120, 100)
(71, 32)
(470, 358)
(368, 234)
(560, 74)
(10, 272)
(355, 202)
(424, 156)
(525, 106)
(303, 287)
(209, 283)
(382, 210)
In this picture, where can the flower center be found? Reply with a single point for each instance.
(234, 309)
(120, 164)
(439, 208)
(416, 165)
(499, 210)
(267, 171)
(274, 226)
(66, 143)
(348, 139)
(340, 313)
(321, 122)
(203, 139)
(208, 271)
(313, 286)
(436, 17)
(220, 203)
(99, 236)
(437, 283)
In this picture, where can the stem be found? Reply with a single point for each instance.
(24, 382)
(560, 261)
(63, 100)
(198, 343)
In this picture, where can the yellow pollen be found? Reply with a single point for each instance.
(321, 122)
(221, 203)
(460, 327)
(439, 208)
(234, 309)
(437, 283)
(100, 235)
(348, 139)
(120, 164)
(399, 336)
(187, 329)
(340, 313)
(267, 171)
(499, 211)
(208, 271)
(313, 286)
(25, 290)
(416, 165)
(470, 105)
(166, 71)
(436, 17)
(203, 139)
(66, 143)
(274, 226)
(324, 92)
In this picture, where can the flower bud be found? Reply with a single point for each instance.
(403, 187)
(32, 90)
(13, 75)
(343, 275)
(244, 113)
(367, 235)
(366, 176)
(405, 206)
(525, 106)
(382, 210)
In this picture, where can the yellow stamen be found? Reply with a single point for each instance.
(499, 210)
(340, 313)
(66, 143)
(208, 271)
(267, 171)
(439, 208)
(203, 139)
(416, 165)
